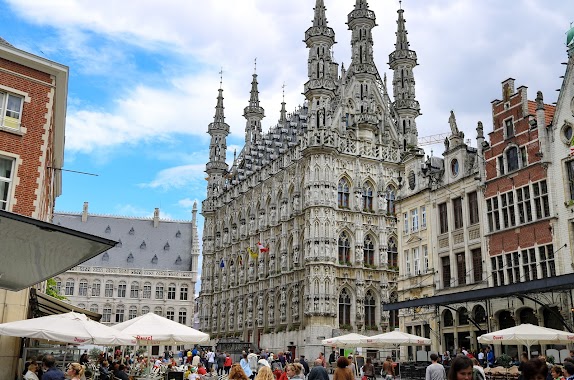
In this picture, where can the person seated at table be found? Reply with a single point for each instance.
(104, 370)
(534, 369)
(31, 372)
(193, 374)
(121, 373)
(201, 369)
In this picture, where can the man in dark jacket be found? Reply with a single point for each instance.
(220, 362)
(318, 372)
(304, 364)
(50, 370)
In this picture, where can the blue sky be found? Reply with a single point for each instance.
(144, 77)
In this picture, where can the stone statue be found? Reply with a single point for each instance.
(249, 304)
(296, 255)
(283, 261)
(251, 270)
(452, 122)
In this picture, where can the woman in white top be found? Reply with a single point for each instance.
(31, 374)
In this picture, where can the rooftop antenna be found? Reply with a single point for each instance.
(283, 91)
(400, 4)
(255, 69)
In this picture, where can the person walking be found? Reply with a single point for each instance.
(318, 372)
(369, 369)
(220, 362)
(342, 371)
(389, 369)
(435, 371)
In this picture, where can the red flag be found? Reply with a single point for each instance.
(262, 248)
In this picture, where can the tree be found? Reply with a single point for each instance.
(52, 290)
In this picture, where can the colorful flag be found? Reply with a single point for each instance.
(572, 146)
(221, 264)
(254, 255)
(262, 248)
(240, 259)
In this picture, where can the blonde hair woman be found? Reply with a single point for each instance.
(265, 373)
(75, 371)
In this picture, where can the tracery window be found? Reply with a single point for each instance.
(368, 251)
(370, 307)
(343, 193)
(367, 197)
(344, 308)
(392, 253)
(344, 249)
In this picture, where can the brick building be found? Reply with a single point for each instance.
(33, 92)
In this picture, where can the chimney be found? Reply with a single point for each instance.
(156, 217)
(85, 212)
(507, 89)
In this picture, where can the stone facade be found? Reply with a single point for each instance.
(152, 269)
(317, 194)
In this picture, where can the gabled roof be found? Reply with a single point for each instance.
(549, 110)
(4, 42)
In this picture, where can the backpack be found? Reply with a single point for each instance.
(477, 375)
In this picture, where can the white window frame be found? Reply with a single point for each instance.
(415, 219)
(407, 262)
(416, 261)
(406, 223)
(4, 96)
(7, 195)
(425, 262)
(423, 216)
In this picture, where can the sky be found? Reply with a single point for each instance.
(144, 77)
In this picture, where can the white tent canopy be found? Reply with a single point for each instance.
(348, 340)
(66, 328)
(527, 335)
(394, 338)
(152, 329)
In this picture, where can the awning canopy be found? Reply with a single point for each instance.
(32, 251)
(42, 305)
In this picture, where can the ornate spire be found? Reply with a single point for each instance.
(253, 113)
(217, 167)
(402, 61)
(283, 118)
(361, 21)
(322, 71)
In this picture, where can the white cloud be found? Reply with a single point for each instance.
(188, 203)
(177, 177)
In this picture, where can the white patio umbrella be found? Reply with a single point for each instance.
(66, 328)
(528, 335)
(344, 341)
(151, 330)
(394, 338)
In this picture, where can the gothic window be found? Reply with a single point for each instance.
(448, 320)
(368, 251)
(479, 314)
(135, 290)
(462, 316)
(570, 173)
(367, 197)
(392, 253)
(370, 320)
(83, 288)
(96, 286)
(133, 312)
(393, 314)
(120, 312)
(390, 201)
(343, 193)
(344, 308)
(344, 249)
(473, 207)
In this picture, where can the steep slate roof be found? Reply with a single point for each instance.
(4, 42)
(170, 242)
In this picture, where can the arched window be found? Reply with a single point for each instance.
(109, 290)
(58, 285)
(122, 288)
(343, 193)
(479, 314)
(120, 312)
(158, 311)
(159, 291)
(392, 253)
(462, 316)
(107, 313)
(171, 290)
(70, 284)
(390, 200)
(146, 290)
(96, 288)
(83, 287)
(448, 320)
(133, 312)
(512, 159)
(367, 197)
(344, 308)
(145, 310)
(94, 308)
(368, 251)
(135, 290)
(170, 313)
(370, 316)
(344, 249)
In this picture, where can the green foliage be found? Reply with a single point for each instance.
(550, 359)
(345, 327)
(94, 353)
(504, 360)
(52, 290)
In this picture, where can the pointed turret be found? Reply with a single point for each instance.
(194, 241)
(322, 70)
(570, 42)
(254, 114)
(216, 168)
(283, 117)
(361, 21)
(402, 61)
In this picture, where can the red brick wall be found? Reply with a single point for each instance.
(29, 145)
(523, 237)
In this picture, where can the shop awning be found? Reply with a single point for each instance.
(32, 251)
(42, 305)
